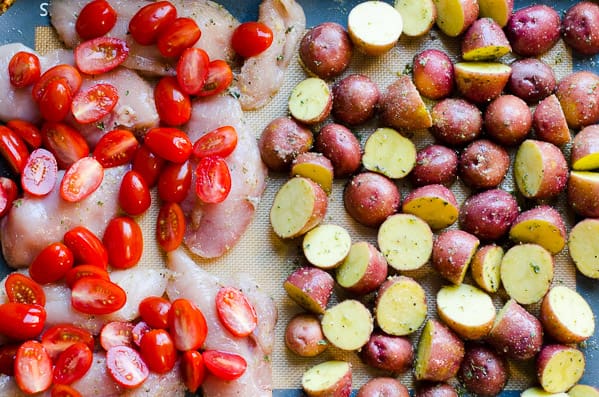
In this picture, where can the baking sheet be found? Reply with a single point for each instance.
(268, 259)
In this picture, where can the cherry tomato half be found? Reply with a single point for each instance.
(151, 20)
(8, 354)
(182, 33)
(27, 131)
(72, 364)
(193, 370)
(219, 142)
(81, 179)
(187, 325)
(170, 226)
(224, 365)
(126, 366)
(251, 38)
(95, 19)
(8, 194)
(134, 194)
(67, 72)
(158, 351)
(93, 104)
(13, 149)
(235, 312)
(33, 368)
(58, 338)
(219, 78)
(192, 70)
(86, 247)
(21, 321)
(40, 173)
(171, 144)
(65, 142)
(154, 311)
(101, 54)
(64, 391)
(172, 104)
(81, 271)
(213, 180)
(56, 100)
(116, 147)
(140, 329)
(22, 289)
(24, 69)
(174, 182)
(123, 241)
(51, 264)
(116, 333)
(148, 165)
(91, 295)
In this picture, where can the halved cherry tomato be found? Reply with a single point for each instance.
(101, 54)
(95, 19)
(67, 72)
(213, 180)
(235, 312)
(140, 329)
(21, 321)
(65, 142)
(151, 20)
(91, 295)
(116, 147)
(27, 131)
(40, 173)
(219, 78)
(219, 142)
(193, 370)
(224, 365)
(81, 271)
(58, 338)
(154, 311)
(187, 325)
(148, 165)
(24, 69)
(251, 38)
(182, 33)
(171, 144)
(86, 247)
(64, 391)
(158, 351)
(174, 182)
(13, 148)
(192, 70)
(96, 102)
(33, 368)
(56, 100)
(8, 354)
(126, 366)
(172, 104)
(8, 194)
(72, 364)
(123, 241)
(134, 194)
(170, 226)
(81, 179)
(116, 333)
(51, 264)
(22, 289)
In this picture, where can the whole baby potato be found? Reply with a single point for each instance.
(508, 120)
(390, 353)
(435, 164)
(456, 122)
(489, 214)
(483, 372)
(326, 50)
(370, 198)
(383, 387)
(533, 30)
(433, 74)
(580, 27)
(531, 80)
(304, 336)
(339, 145)
(282, 141)
(355, 98)
(483, 164)
(578, 93)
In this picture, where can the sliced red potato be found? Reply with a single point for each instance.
(549, 122)
(363, 270)
(481, 82)
(389, 153)
(374, 27)
(583, 391)
(452, 252)
(326, 246)
(330, 378)
(435, 204)
(485, 267)
(406, 241)
(316, 167)
(310, 288)
(499, 10)
(311, 100)
(527, 272)
(539, 392)
(582, 193)
(583, 246)
(418, 16)
(439, 353)
(455, 16)
(484, 41)
(559, 367)
(347, 325)
(541, 225)
(400, 307)
(566, 316)
(540, 169)
(585, 149)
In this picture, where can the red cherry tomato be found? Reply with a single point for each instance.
(116, 147)
(151, 20)
(134, 194)
(72, 364)
(27, 131)
(235, 312)
(64, 391)
(140, 329)
(40, 173)
(187, 325)
(67, 72)
(8, 354)
(21, 321)
(219, 78)
(174, 182)
(101, 54)
(213, 180)
(5, 202)
(170, 226)
(86, 247)
(24, 69)
(93, 104)
(58, 338)
(154, 311)
(173, 105)
(9, 190)
(123, 241)
(116, 333)
(51, 264)
(158, 351)
(219, 142)
(192, 70)
(171, 144)
(81, 179)
(95, 19)
(182, 33)
(224, 365)
(148, 165)
(193, 370)
(22, 289)
(65, 142)
(81, 271)
(251, 38)
(56, 100)
(13, 149)
(91, 295)
(33, 368)
(126, 366)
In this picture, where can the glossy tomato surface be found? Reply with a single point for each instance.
(224, 365)
(116, 147)
(220, 77)
(55, 102)
(158, 351)
(123, 240)
(40, 173)
(213, 180)
(91, 295)
(126, 366)
(22, 289)
(193, 370)
(82, 178)
(170, 226)
(171, 144)
(154, 311)
(33, 368)
(64, 391)
(21, 321)
(151, 20)
(72, 364)
(81, 271)
(86, 247)
(24, 69)
(173, 105)
(148, 165)
(134, 194)
(27, 131)
(182, 33)
(95, 19)
(51, 264)
(219, 142)
(8, 354)
(192, 70)
(65, 142)
(235, 312)
(251, 38)
(58, 338)
(94, 103)
(100, 55)
(13, 149)
(187, 325)
(67, 72)
(174, 182)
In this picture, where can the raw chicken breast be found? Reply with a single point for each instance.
(194, 283)
(97, 382)
(212, 229)
(262, 76)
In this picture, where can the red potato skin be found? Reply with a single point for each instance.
(435, 164)
(446, 344)
(583, 196)
(483, 372)
(304, 336)
(435, 390)
(326, 50)
(315, 283)
(452, 252)
(456, 122)
(531, 80)
(283, 140)
(383, 387)
(556, 167)
(479, 89)
(401, 106)
(578, 95)
(547, 353)
(375, 275)
(370, 198)
(533, 30)
(549, 122)
(508, 120)
(482, 33)
(340, 146)
(585, 142)
(489, 214)
(579, 28)
(543, 213)
(432, 191)
(355, 99)
(483, 164)
(433, 74)
(389, 353)
(554, 327)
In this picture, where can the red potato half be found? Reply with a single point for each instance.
(485, 267)
(326, 246)
(583, 246)
(311, 101)
(578, 94)
(389, 153)
(579, 27)
(282, 140)
(531, 80)
(406, 241)
(566, 316)
(484, 41)
(499, 10)
(401, 106)
(316, 167)
(363, 270)
(400, 307)
(452, 252)
(585, 149)
(540, 169)
(541, 225)
(483, 164)
(549, 122)
(583, 391)
(418, 16)
(432, 71)
(481, 82)
(439, 353)
(559, 367)
(539, 392)
(583, 193)
(456, 122)
(374, 27)
(328, 379)
(347, 325)
(428, 389)
(310, 288)
(455, 16)
(389, 353)
(435, 204)
(355, 99)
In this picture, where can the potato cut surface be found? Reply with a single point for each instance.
(326, 246)
(347, 325)
(467, 310)
(527, 272)
(354, 266)
(538, 392)
(315, 171)
(498, 10)
(418, 16)
(539, 231)
(583, 244)
(435, 211)
(310, 100)
(374, 26)
(389, 153)
(450, 18)
(583, 391)
(406, 241)
(568, 316)
(325, 375)
(587, 163)
(528, 168)
(401, 306)
(562, 370)
(486, 268)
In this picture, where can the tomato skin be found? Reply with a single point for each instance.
(116, 147)
(8, 354)
(65, 142)
(171, 144)
(21, 321)
(116, 333)
(224, 365)
(170, 226)
(72, 364)
(219, 78)
(187, 325)
(51, 264)
(64, 391)
(192, 70)
(8, 194)
(22, 289)
(67, 72)
(182, 33)
(173, 105)
(123, 241)
(33, 368)
(126, 366)
(93, 104)
(148, 165)
(24, 69)
(56, 100)
(13, 149)
(174, 182)
(213, 180)
(219, 142)
(27, 131)
(193, 370)
(151, 20)
(95, 19)
(82, 178)
(81, 271)
(100, 55)
(58, 338)
(235, 312)
(138, 332)
(158, 351)
(154, 311)
(134, 194)
(251, 38)
(40, 173)
(91, 295)
(86, 247)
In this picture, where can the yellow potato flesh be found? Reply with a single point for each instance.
(482, 69)
(465, 305)
(347, 325)
(354, 266)
(486, 53)
(309, 99)
(528, 168)
(292, 207)
(389, 153)
(495, 9)
(587, 163)
(572, 310)
(374, 26)
(450, 17)
(527, 272)
(318, 173)
(418, 16)
(435, 211)
(326, 246)
(562, 371)
(324, 376)
(406, 241)
(401, 309)
(583, 245)
(490, 273)
(540, 232)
